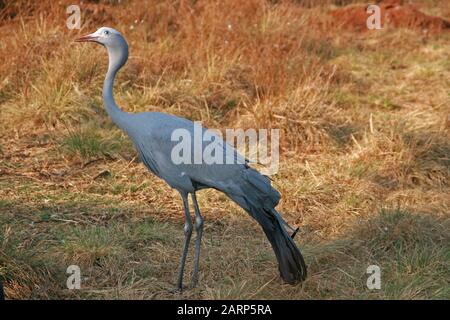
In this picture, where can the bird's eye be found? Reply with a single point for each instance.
(106, 32)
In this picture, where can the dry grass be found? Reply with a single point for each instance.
(365, 161)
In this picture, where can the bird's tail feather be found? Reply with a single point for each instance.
(259, 199)
(291, 265)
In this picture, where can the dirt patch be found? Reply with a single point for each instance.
(393, 14)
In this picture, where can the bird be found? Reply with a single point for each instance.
(151, 134)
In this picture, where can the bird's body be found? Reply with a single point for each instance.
(152, 135)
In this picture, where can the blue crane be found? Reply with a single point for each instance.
(151, 134)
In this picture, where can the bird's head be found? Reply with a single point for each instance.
(114, 42)
(104, 36)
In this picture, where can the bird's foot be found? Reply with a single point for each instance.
(178, 289)
(175, 290)
(193, 283)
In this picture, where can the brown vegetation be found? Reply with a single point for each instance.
(365, 159)
(394, 13)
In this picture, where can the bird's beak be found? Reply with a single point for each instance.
(87, 38)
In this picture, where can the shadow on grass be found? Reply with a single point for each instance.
(412, 251)
(110, 244)
(128, 257)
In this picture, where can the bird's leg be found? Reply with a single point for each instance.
(187, 239)
(198, 241)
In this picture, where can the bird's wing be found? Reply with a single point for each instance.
(152, 134)
(147, 157)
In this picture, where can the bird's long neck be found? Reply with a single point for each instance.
(116, 61)
(110, 104)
